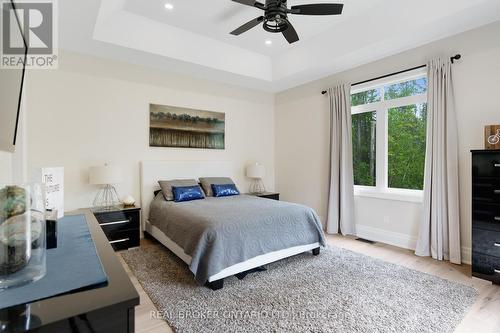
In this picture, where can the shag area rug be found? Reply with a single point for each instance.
(337, 291)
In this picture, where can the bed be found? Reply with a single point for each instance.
(221, 237)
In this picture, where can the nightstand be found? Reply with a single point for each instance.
(267, 195)
(121, 225)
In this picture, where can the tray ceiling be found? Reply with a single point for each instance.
(193, 38)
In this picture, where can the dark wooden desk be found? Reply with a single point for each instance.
(110, 308)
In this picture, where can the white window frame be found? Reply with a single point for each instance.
(382, 190)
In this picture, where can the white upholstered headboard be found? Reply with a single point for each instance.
(153, 171)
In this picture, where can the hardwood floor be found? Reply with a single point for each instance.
(484, 316)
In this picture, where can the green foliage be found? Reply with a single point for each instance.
(364, 148)
(366, 97)
(406, 143)
(406, 137)
(404, 89)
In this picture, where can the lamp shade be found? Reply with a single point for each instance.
(104, 175)
(256, 171)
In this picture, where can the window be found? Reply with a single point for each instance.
(389, 122)
(406, 146)
(405, 89)
(365, 97)
(364, 147)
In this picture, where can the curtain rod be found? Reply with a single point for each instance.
(455, 57)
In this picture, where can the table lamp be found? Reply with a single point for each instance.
(256, 171)
(106, 176)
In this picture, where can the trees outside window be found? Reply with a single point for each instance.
(389, 134)
(406, 146)
(364, 141)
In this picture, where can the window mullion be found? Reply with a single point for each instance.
(381, 149)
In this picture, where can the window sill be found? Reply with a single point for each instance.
(389, 194)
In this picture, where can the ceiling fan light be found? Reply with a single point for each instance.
(169, 6)
(275, 26)
(276, 16)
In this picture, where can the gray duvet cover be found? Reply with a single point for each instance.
(220, 232)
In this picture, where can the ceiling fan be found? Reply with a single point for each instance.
(275, 18)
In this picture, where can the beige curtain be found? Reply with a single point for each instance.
(341, 194)
(439, 234)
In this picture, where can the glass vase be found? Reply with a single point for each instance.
(22, 234)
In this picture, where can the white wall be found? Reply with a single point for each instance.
(13, 165)
(302, 133)
(5, 167)
(93, 111)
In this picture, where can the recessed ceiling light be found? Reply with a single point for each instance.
(169, 6)
(269, 42)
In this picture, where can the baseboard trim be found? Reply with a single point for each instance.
(399, 239)
(386, 236)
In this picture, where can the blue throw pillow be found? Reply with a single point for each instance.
(187, 193)
(225, 190)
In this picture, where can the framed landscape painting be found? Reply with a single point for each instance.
(171, 126)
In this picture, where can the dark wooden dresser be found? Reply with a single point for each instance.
(486, 214)
(104, 309)
(121, 225)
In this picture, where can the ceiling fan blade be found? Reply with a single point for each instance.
(252, 3)
(247, 26)
(290, 34)
(318, 9)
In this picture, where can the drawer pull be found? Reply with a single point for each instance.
(497, 244)
(497, 165)
(497, 271)
(496, 191)
(497, 218)
(119, 241)
(117, 222)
